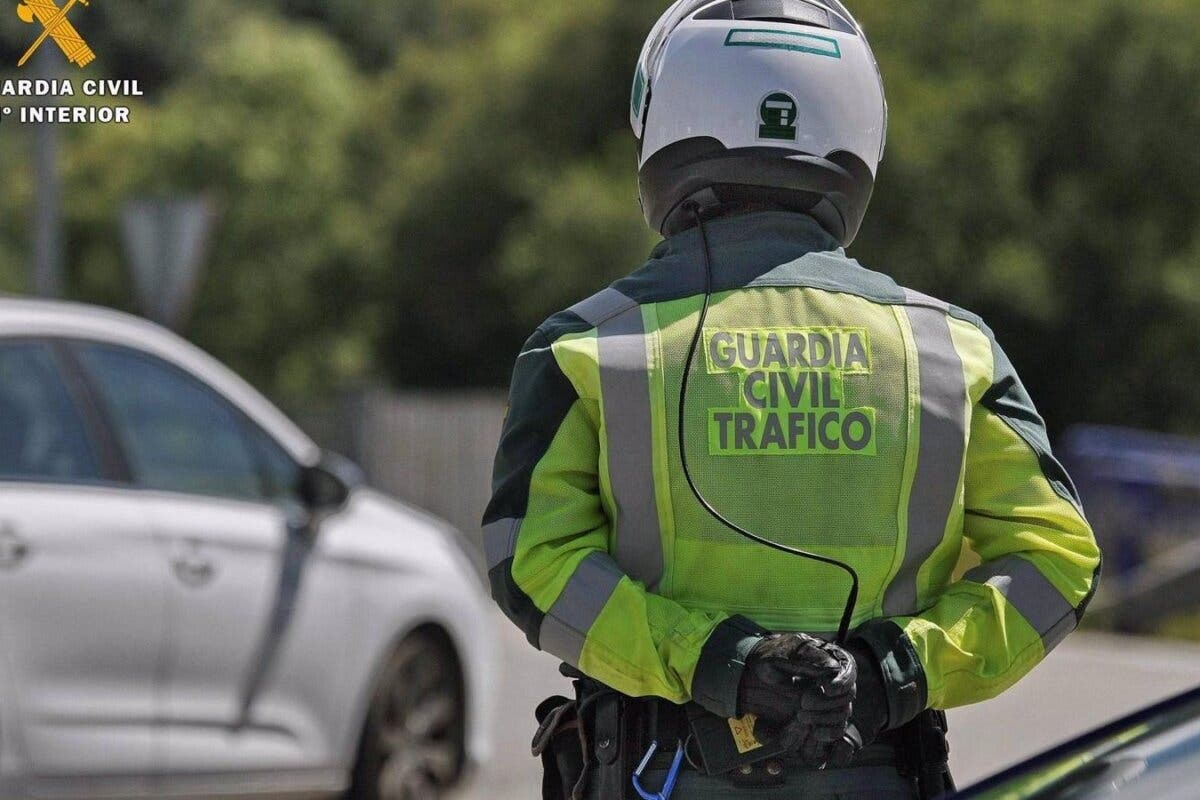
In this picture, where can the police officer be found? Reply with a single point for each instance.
(676, 443)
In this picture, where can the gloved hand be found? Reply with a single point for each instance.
(870, 713)
(801, 688)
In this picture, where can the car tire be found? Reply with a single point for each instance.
(412, 745)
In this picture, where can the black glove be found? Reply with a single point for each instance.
(802, 690)
(870, 713)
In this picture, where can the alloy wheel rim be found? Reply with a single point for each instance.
(417, 727)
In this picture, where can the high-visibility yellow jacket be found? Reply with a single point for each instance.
(828, 409)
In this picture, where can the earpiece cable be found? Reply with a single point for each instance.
(852, 599)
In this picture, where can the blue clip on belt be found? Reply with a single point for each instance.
(672, 774)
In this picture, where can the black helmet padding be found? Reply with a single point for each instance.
(835, 189)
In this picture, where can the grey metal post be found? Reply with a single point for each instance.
(47, 222)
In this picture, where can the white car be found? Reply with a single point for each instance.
(195, 601)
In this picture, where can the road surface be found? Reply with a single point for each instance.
(1090, 679)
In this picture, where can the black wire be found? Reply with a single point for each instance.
(852, 599)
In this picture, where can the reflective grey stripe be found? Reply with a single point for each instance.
(625, 386)
(1039, 602)
(565, 627)
(602, 306)
(940, 452)
(500, 541)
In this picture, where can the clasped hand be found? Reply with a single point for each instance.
(802, 691)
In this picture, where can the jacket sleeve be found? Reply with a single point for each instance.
(546, 535)
(1040, 567)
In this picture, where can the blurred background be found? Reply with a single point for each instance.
(399, 192)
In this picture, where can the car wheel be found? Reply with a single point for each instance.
(413, 741)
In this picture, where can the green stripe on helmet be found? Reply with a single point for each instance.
(784, 40)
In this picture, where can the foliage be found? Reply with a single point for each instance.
(1039, 173)
(407, 189)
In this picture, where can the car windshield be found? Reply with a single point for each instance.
(1152, 754)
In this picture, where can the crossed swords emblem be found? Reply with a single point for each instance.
(56, 26)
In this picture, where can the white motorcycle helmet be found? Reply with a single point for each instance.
(776, 101)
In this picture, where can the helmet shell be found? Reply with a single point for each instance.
(789, 81)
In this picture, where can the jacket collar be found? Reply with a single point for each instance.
(743, 247)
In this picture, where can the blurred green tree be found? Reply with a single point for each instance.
(262, 125)
(492, 136)
(1039, 173)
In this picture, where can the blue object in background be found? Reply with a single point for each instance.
(1141, 489)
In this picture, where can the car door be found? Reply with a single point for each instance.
(209, 497)
(82, 584)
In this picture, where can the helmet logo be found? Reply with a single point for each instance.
(778, 116)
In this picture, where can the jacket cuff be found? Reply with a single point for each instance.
(722, 660)
(904, 680)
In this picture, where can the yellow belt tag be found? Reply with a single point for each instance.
(743, 733)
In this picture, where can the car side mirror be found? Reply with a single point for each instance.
(327, 485)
